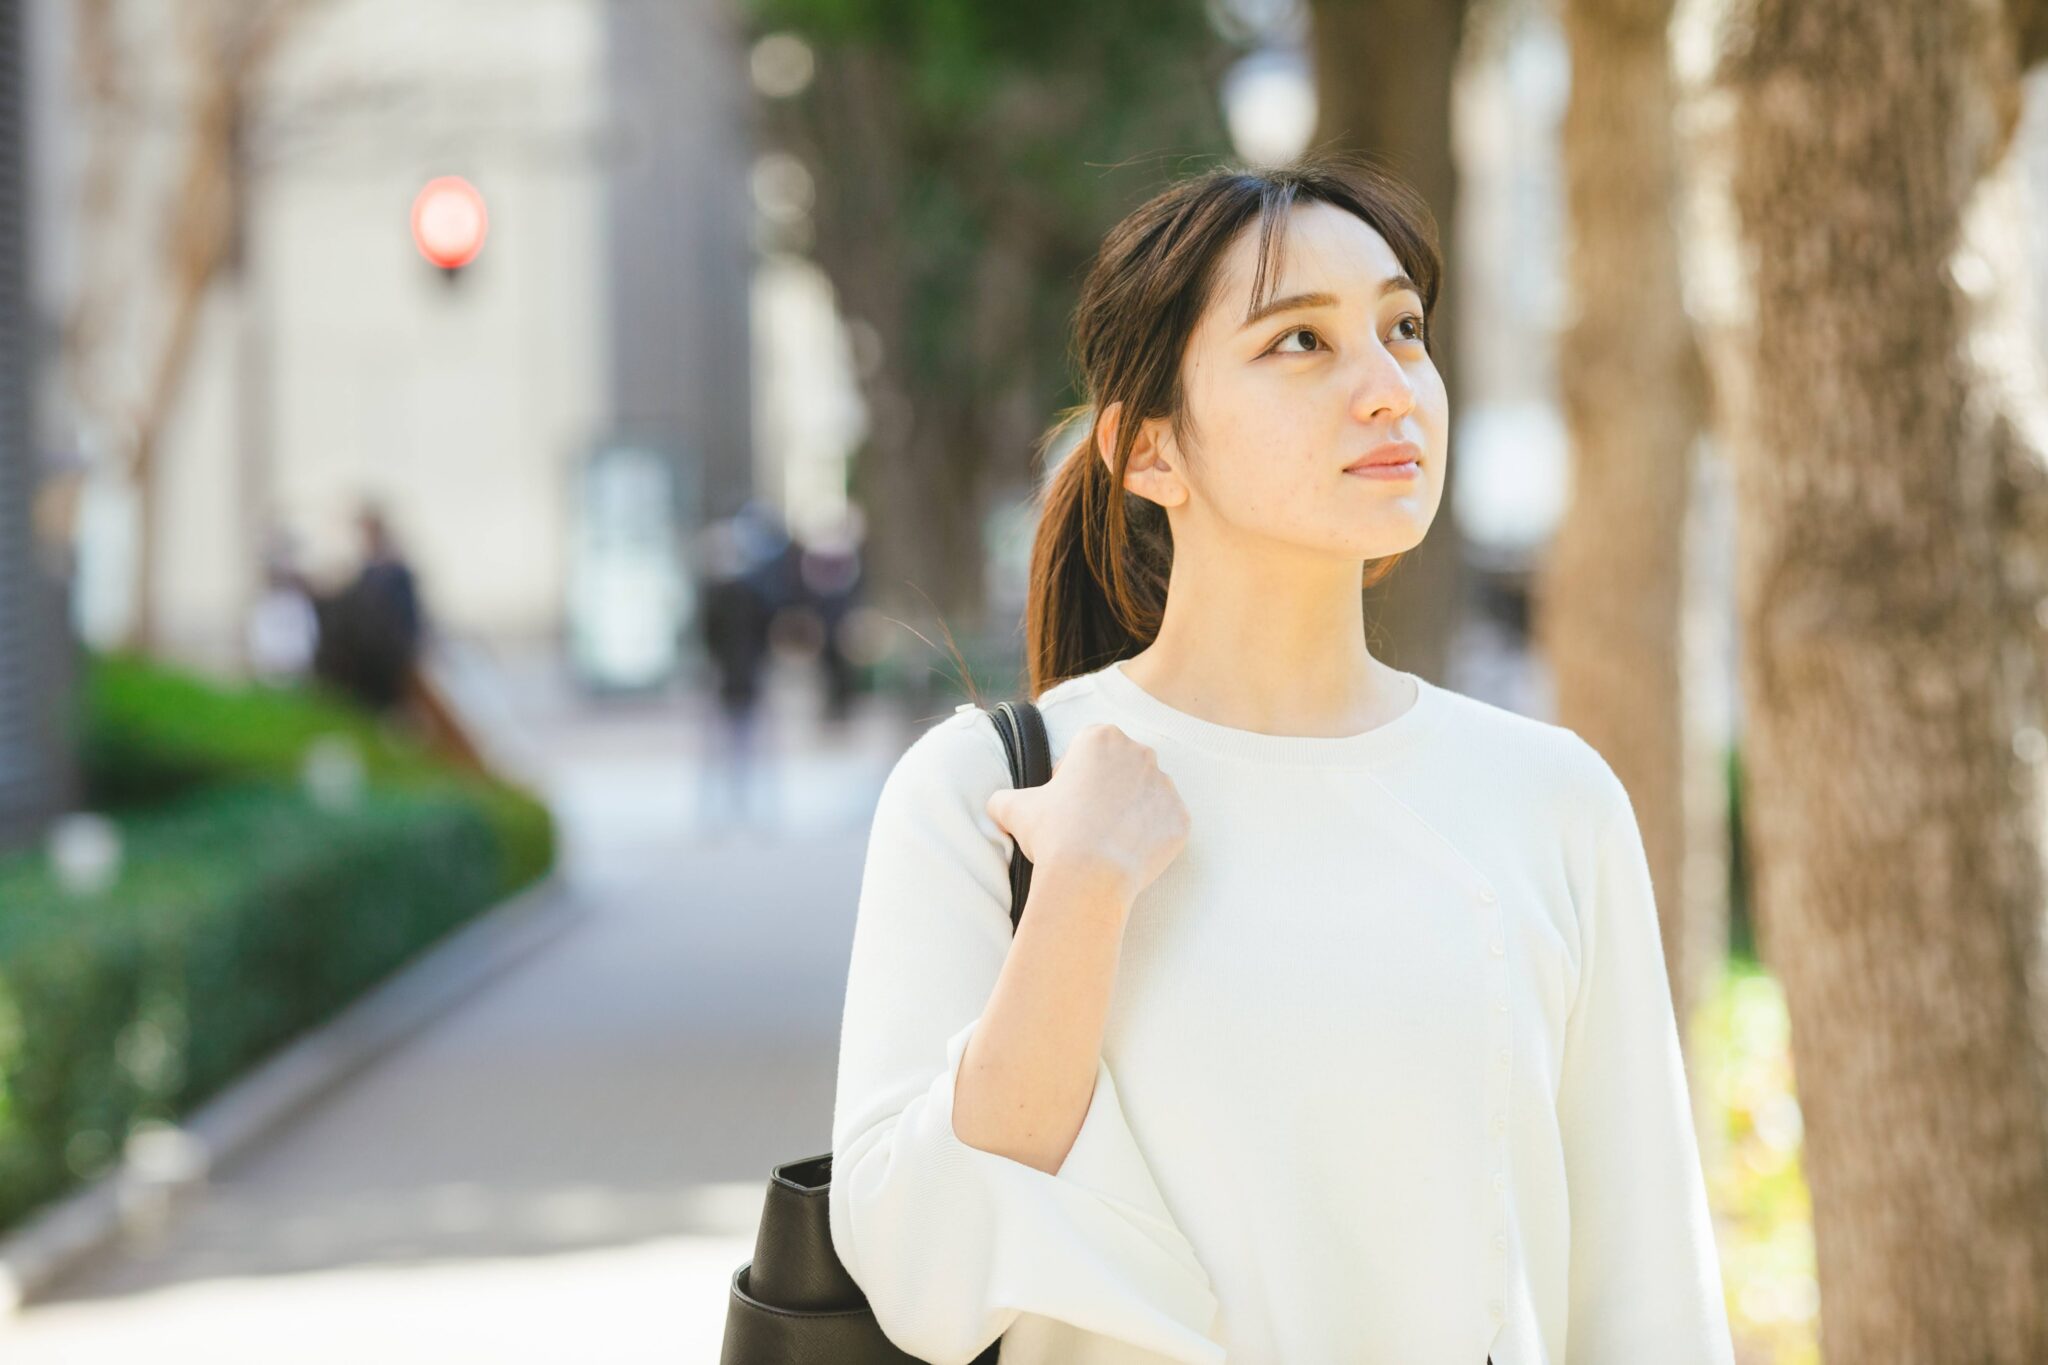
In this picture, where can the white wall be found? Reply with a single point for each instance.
(461, 409)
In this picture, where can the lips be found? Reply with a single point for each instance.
(1392, 453)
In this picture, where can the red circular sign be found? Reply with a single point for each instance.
(449, 222)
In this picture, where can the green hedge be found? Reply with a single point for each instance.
(244, 915)
(147, 733)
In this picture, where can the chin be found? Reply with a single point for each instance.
(1390, 541)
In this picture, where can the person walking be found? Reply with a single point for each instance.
(831, 572)
(741, 595)
(1336, 1027)
(371, 631)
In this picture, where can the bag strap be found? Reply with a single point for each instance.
(1030, 754)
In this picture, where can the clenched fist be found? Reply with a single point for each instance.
(1107, 815)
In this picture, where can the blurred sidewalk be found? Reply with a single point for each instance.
(568, 1165)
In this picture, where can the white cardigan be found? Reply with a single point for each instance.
(1390, 1072)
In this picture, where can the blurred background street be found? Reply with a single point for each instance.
(570, 1163)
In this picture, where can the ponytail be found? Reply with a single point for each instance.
(1099, 564)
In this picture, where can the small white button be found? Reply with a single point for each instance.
(1500, 1124)
(1500, 1180)
(1501, 1056)
(1500, 1241)
(1499, 1310)
(1497, 945)
(1487, 895)
(1500, 1004)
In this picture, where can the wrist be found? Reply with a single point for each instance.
(1082, 887)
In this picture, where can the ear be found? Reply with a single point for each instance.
(1153, 472)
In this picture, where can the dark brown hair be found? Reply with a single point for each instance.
(1100, 562)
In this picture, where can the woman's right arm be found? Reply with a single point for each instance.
(1052, 1209)
(1029, 1071)
(1100, 831)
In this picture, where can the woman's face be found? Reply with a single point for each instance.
(1280, 406)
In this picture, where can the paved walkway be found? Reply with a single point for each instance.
(569, 1165)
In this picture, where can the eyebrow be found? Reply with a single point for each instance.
(1391, 284)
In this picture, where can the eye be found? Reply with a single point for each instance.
(1276, 349)
(1418, 332)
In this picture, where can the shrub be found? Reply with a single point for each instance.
(148, 733)
(244, 914)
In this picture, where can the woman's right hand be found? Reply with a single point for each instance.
(1107, 813)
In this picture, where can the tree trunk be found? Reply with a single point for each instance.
(1608, 602)
(1893, 743)
(225, 48)
(195, 247)
(925, 547)
(918, 479)
(1383, 86)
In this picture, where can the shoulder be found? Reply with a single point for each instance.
(1534, 758)
(959, 756)
(949, 760)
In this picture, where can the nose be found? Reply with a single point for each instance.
(1382, 390)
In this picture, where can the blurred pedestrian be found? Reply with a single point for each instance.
(768, 554)
(830, 568)
(737, 608)
(370, 631)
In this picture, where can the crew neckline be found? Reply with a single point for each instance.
(1133, 702)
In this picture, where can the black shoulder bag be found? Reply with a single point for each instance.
(794, 1303)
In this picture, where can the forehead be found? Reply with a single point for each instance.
(1322, 248)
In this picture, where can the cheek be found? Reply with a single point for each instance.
(1261, 468)
(1281, 482)
(1249, 450)
(1434, 404)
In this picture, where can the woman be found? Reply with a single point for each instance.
(1336, 1028)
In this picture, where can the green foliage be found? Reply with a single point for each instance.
(965, 161)
(958, 56)
(1741, 924)
(942, 131)
(148, 733)
(243, 915)
(244, 912)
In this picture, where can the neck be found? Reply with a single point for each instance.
(1280, 650)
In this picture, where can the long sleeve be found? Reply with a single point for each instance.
(1645, 1281)
(950, 1243)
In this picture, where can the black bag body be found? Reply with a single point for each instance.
(794, 1303)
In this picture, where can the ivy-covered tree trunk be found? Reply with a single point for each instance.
(1894, 745)
(917, 479)
(958, 155)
